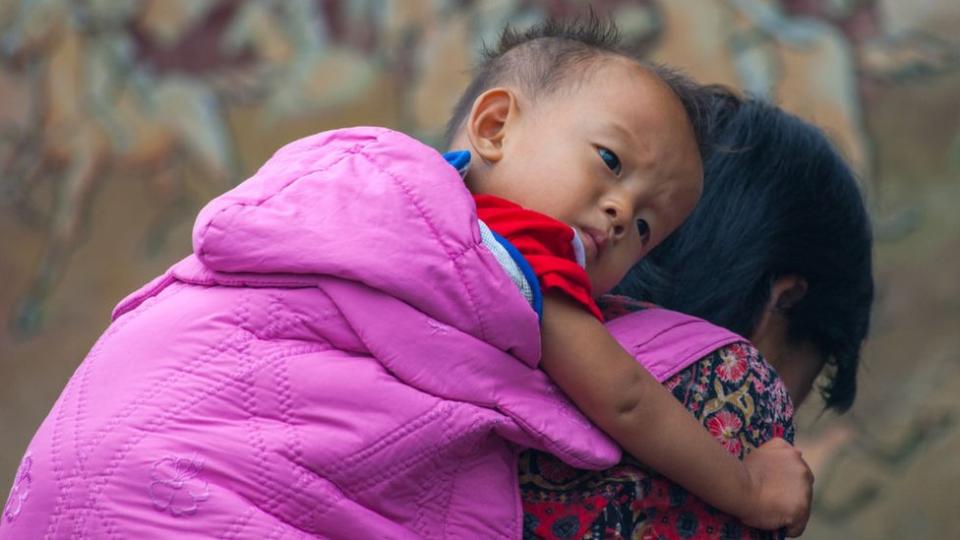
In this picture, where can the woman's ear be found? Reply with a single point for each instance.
(487, 124)
(785, 292)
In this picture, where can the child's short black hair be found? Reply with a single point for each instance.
(554, 54)
(778, 200)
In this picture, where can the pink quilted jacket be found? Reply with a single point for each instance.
(339, 358)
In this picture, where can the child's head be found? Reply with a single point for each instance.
(562, 121)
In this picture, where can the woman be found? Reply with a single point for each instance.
(778, 251)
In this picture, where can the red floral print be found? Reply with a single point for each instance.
(725, 426)
(732, 367)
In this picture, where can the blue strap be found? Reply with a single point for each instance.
(459, 160)
(527, 272)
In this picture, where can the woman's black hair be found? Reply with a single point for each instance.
(778, 200)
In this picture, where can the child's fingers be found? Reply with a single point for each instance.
(796, 528)
(786, 482)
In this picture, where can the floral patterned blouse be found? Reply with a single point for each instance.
(735, 394)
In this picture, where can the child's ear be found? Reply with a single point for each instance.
(487, 125)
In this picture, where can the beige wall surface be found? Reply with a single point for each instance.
(119, 119)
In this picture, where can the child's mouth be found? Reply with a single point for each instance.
(594, 241)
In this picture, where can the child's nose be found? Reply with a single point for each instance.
(619, 229)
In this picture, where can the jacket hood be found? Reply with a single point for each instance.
(373, 206)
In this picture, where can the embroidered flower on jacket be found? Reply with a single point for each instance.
(672, 383)
(20, 490)
(725, 426)
(556, 471)
(732, 366)
(760, 366)
(177, 487)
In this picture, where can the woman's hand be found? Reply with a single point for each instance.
(782, 488)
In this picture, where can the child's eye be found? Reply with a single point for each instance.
(643, 227)
(610, 160)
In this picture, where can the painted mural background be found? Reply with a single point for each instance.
(120, 118)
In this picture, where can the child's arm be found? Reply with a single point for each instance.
(770, 489)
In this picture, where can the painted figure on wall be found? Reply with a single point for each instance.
(144, 88)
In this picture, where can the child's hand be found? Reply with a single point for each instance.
(782, 488)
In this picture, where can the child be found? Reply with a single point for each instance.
(608, 149)
(344, 355)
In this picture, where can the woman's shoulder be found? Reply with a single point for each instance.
(664, 341)
(737, 395)
(718, 375)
